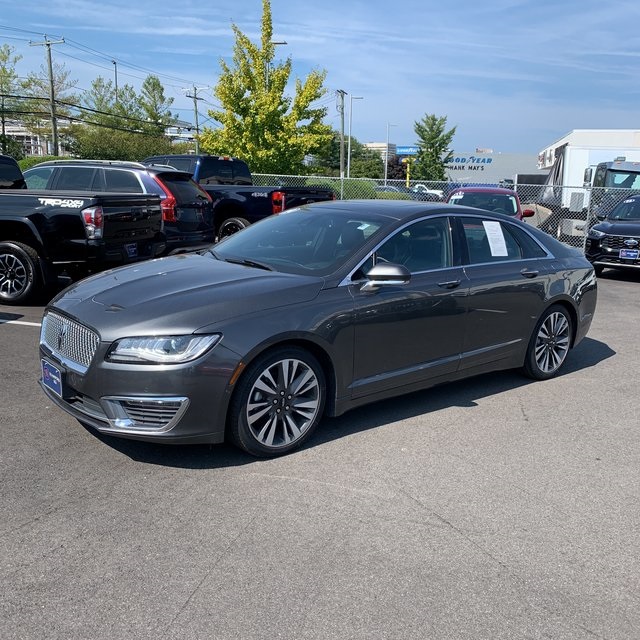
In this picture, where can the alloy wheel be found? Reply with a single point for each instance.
(283, 404)
(14, 275)
(552, 342)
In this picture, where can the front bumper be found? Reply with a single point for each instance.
(175, 404)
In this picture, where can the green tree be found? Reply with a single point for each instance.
(155, 106)
(120, 129)
(9, 87)
(272, 132)
(434, 144)
(365, 163)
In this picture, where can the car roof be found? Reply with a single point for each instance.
(115, 164)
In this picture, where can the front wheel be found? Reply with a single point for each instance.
(549, 344)
(231, 226)
(278, 403)
(19, 276)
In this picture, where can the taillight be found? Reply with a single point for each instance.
(167, 204)
(277, 201)
(93, 219)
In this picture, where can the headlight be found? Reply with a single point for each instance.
(161, 349)
(596, 234)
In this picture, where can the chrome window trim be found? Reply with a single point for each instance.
(347, 281)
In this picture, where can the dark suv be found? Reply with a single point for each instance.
(187, 209)
(208, 169)
(615, 240)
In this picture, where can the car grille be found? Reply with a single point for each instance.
(151, 414)
(617, 242)
(69, 340)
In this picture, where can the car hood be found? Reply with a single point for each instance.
(619, 227)
(179, 294)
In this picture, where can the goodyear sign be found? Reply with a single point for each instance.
(467, 163)
(406, 151)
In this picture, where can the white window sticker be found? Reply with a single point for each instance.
(495, 237)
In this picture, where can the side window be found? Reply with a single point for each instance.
(38, 177)
(74, 178)
(489, 241)
(117, 180)
(530, 248)
(423, 246)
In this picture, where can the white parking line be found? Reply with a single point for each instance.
(22, 322)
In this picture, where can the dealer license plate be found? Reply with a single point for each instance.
(52, 377)
(629, 254)
(132, 250)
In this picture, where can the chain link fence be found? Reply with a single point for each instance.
(567, 213)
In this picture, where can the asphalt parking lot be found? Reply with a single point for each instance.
(492, 508)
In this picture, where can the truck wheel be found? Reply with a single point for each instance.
(231, 226)
(19, 274)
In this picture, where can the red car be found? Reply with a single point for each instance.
(494, 199)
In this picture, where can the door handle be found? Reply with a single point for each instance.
(450, 284)
(529, 273)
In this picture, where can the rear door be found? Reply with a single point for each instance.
(508, 279)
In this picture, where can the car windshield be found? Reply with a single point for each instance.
(301, 242)
(498, 202)
(627, 210)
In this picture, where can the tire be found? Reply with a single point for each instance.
(278, 403)
(20, 278)
(549, 344)
(598, 268)
(231, 226)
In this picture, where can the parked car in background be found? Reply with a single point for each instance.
(614, 242)
(10, 174)
(207, 169)
(408, 193)
(312, 313)
(237, 202)
(48, 234)
(187, 210)
(497, 199)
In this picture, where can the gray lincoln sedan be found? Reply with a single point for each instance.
(310, 313)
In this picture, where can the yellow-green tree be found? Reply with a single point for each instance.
(272, 132)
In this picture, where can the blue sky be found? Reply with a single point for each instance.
(512, 76)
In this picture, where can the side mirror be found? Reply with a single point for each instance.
(386, 274)
(601, 216)
(588, 174)
(528, 213)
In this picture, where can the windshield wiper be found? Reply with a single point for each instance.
(248, 263)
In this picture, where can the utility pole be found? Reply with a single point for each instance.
(52, 96)
(115, 70)
(195, 97)
(341, 95)
(351, 99)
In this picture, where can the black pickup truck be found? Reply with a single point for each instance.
(46, 234)
(237, 202)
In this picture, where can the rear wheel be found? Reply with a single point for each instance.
(278, 403)
(231, 226)
(19, 276)
(549, 344)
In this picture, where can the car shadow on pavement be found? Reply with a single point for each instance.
(463, 393)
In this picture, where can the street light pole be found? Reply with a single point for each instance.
(386, 153)
(351, 99)
(115, 71)
(275, 43)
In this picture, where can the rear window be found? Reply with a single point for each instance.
(74, 178)
(182, 164)
(223, 171)
(183, 188)
(117, 180)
